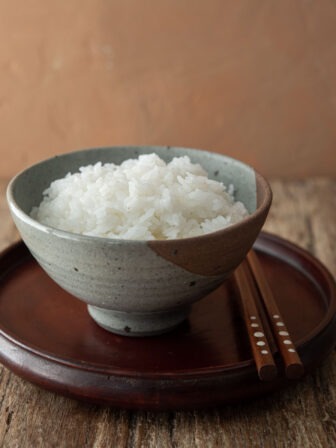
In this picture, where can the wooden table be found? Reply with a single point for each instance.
(302, 416)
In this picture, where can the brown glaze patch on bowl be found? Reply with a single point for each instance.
(219, 252)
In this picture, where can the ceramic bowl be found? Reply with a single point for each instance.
(138, 288)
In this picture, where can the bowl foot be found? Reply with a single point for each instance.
(138, 324)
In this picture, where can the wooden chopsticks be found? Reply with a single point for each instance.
(259, 344)
(293, 365)
(255, 292)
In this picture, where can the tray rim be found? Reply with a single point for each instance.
(263, 240)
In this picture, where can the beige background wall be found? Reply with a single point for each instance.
(253, 79)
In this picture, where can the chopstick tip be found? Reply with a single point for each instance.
(294, 371)
(267, 372)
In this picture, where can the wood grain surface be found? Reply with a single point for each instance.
(302, 416)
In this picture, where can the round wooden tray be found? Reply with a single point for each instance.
(48, 338)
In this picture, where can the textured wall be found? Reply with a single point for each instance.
(253, 79)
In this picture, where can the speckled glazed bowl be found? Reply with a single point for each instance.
(138, 287)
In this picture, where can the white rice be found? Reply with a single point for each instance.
(141, 199)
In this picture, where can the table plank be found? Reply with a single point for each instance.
(301, 416)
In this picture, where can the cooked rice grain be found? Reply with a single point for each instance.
(141, 199)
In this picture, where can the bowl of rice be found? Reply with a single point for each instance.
(139, 233)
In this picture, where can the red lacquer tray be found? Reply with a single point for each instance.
(48, 338)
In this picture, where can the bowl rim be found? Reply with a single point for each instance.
(16, 209)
